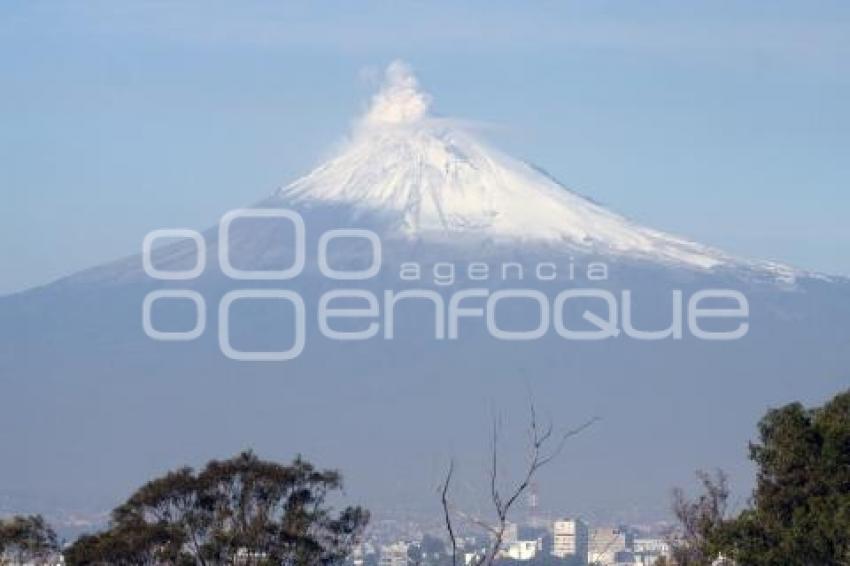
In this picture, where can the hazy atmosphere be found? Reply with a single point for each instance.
(723, 122)
(424, 283)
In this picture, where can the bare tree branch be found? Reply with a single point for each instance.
(448, 518)
(539, 457)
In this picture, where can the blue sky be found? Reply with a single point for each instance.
(726, 122)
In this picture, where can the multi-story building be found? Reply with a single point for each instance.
(647, 551)
(609, 545)
(511, 533)
(570, 539)
(522, 549)
(394, 554)
(361, 553)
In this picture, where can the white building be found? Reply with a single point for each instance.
(394, 554)
(511, 533)
(360, 552)
(522, 549)
(570, 539)
(609, 545)
(647, 551)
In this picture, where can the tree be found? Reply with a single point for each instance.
(27, 540)
(541, 452)
(699, 520)
(127, 544)
(799, 514)
(238, 511)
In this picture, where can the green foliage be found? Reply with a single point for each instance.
(27, 540)
(800, 510)
(801, 506)
(238, 511)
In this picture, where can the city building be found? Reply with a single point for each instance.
(570, 539)
(394, 554)
(647, 551)
(522, 549)
(511, 533)
(363, 553)
(609, 545)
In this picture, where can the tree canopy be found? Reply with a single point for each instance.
(27, 540)
(799, 514)
(238, 511)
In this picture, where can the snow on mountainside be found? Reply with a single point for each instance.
(412, 177)
(436, 181)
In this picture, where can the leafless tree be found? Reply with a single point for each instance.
(444, 492)
(544, 446)
(698, 519)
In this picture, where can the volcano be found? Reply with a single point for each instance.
(92, 406)
(431, 180)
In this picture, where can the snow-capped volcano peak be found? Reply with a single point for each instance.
(432, 179)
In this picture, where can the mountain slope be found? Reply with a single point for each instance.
(91, 406)
(431, 180)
